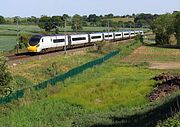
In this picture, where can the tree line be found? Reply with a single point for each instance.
(77, 22)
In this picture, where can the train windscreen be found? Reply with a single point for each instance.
(34, 41)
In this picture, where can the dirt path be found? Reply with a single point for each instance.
(167, 65)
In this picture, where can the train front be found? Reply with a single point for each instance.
(34, 43)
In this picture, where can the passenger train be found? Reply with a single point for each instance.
(44, 43)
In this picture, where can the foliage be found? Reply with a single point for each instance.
(170, 122)
(163, 27)
(2, 20)
(52, 70)
(100, 45)
(32, 20)
(23, 40)
(177, 27)
(5, 77)
(144, 19)
(77, 22)
(49, 23)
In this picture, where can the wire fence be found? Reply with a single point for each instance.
(59, 78)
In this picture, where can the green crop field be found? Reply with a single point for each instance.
(121, 19)
(7, 43)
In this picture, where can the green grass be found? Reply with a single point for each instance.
(173, 121)
(108, 87)
(113, 89)
(7, 43)
(36, 71)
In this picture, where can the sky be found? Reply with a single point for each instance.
(26, 8)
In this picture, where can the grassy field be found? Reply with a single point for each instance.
(122, 19)
(112, 89)
(7, 43)
(148, 54)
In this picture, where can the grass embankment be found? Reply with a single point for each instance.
(104, 95)
(149, 54)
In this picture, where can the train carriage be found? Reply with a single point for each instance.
(79, 39)
(118, 35)
(108, 36)
(94, 37)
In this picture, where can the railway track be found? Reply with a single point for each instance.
(19, 58)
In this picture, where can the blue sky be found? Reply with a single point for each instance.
(24, 8)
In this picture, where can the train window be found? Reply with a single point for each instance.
(108, 35)
(79, 39)
(42, 40)
(95, 37)
(58, 40)
(132, 33)
(34, 41)
(118, 34)
(126, 34)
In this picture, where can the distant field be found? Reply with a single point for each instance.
(122, 19)
(7, 43)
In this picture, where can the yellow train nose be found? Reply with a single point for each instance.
(32, 49)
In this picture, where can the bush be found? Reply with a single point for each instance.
(100, 45)
(5, 78)
(23, 40)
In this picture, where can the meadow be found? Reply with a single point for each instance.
(99, 96)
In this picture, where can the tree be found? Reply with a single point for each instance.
(163, 27)
(48, 23)
(77, 22)
(32, 20)
(16, 18)
(2, 20)
(5, 77)
(94, 19)
(177, 27)
(58, 21)
(144, 19)
(65, 16)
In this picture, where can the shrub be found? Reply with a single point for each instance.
(5, 78)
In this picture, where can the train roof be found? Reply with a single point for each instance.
(51, 35)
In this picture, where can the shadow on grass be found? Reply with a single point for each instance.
(146, 119)
(163, 46)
